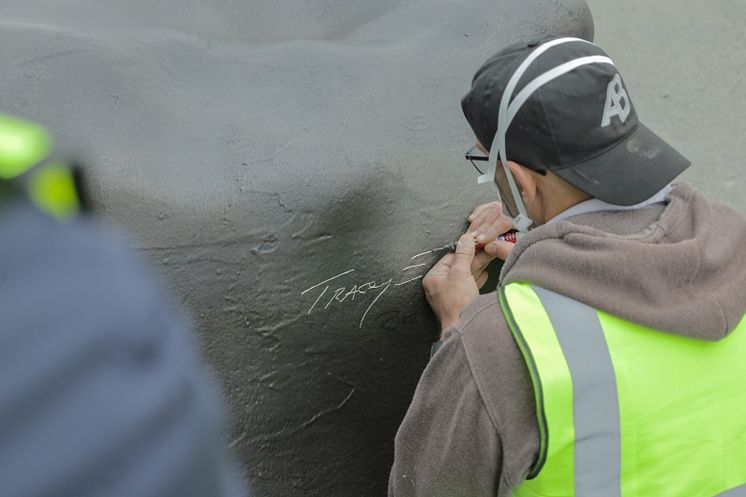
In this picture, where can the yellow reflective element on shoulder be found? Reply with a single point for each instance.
(52, 189)
(23, 144)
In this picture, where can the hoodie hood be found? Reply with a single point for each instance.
(679, 268)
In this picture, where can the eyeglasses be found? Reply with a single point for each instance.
(475, 155)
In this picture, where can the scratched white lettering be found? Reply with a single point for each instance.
(346, 293)
(317, 285)
(317, 300)
(420, 255)
(410, 280)
(326, 281)
(385, 287)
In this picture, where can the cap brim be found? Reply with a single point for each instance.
(632, 171)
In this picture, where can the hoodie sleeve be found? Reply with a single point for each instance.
(471, 429)
(447, 444)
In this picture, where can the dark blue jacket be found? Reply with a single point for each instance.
(101, 392)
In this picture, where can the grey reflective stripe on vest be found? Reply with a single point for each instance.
(595, 402)
(734, 492)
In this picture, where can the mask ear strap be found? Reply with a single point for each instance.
(489, 176)
(508, 111)
(521, 222)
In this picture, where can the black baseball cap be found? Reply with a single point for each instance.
(582, 125)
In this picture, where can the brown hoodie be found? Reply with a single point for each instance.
(471, 429)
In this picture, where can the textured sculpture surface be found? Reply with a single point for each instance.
(281, 163)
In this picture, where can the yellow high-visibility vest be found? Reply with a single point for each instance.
(625, 410)
(25, 158)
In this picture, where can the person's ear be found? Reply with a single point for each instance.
(526, 179)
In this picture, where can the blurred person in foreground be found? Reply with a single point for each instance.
(101, 392)
(610, 361)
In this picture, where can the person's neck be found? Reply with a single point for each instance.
(557, 204)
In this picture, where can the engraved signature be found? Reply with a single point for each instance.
(326, 298)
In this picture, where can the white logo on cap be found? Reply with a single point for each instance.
(617, 102)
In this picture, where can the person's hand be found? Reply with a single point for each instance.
(449, 285)
(487, 222)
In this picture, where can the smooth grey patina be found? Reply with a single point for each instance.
(281, 163)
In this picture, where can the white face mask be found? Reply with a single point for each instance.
(508, 110)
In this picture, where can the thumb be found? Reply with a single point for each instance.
(464, 255)
(499, 249)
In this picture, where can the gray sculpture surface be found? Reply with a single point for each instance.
(283, 164)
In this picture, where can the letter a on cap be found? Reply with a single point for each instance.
(617, 102)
